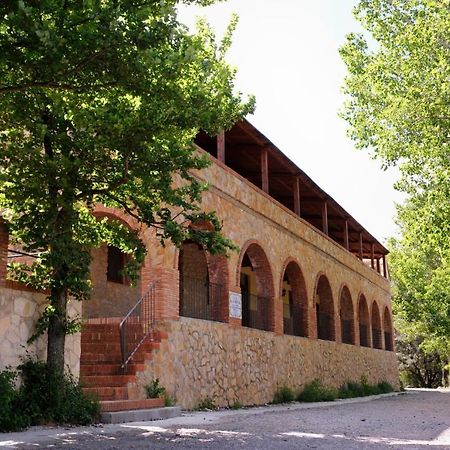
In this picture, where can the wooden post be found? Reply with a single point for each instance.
(297, 195)
(265, 170)
(221, 146)
(378, 266)
(325, 217)
(385, 267)
(372, 255)
(346, 243)
(360, 246)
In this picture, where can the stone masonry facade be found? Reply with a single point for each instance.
(220, 358)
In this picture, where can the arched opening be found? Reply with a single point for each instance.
(295, 302)
(256, 289)
(347, 318)
(376, 326)
(201, 289)
(363, 320)
(324, 310)
(387, 326)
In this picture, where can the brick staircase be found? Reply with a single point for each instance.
(100, 366)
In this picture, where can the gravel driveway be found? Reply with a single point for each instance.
(416, 419)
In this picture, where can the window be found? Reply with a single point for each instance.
(116, 264)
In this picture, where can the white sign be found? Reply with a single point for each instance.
(235, 305)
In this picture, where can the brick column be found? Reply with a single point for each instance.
(278, 315)
(167, 291)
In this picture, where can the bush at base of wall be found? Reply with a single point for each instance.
(43, 397)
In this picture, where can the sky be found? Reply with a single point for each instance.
(286, 54)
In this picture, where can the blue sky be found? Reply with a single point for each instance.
(286, 54)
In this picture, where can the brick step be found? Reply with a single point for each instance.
(111, 358)
(110, 369)
(107, 380)
(96, 338)
(114, 347)
(105, 393)
(128, 405)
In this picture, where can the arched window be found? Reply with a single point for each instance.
(376, 327)
(324, 310)
(363, 320)
(388, 335)
(346, 315)
(256, 289)
(295, 302)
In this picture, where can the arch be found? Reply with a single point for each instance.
(295, 299)
(363, 322)
(346, 316)
(387, 327)
(256, 282)
(376, 326)
(324, 305)
(203, 283)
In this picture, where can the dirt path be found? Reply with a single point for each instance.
(415, 420)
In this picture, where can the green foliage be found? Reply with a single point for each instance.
(43, 397)
(168, 400)
(283, 394)
(316, 392)
(419, 368)
(154, 389)
(398, 107)
(12, 417)
(352, 389)
(205, 404)
(99, 104)
(236, 405)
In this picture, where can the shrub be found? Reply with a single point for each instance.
(352, 389)
(43, 397)
(316, 392)
(236, 405)
(205, 404)
(283, 394)
(168, 400)
(155, 390)
(12, 417)
(50, 397)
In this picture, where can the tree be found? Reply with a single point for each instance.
(99, 103)
(399, 107)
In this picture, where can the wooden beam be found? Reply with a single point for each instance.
(360, 246)
(372, 255)
(325, 217)
(346, 244)
(221, 146)
(297, 201)
(265, 169)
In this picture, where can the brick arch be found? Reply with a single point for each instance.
(115, 214)
(346, 315)
(387, 328)
(324, 305)
(203, 283)
(377, 340)
(258, 309)
(363, 321)
(299, 299)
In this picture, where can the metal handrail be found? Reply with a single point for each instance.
(137, 325)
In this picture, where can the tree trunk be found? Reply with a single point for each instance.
(56, 336)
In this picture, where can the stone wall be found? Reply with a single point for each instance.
(202, 359)
(19, 311)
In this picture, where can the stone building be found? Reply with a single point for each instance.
(307, 295)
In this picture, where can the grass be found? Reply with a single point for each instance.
(283, 394)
